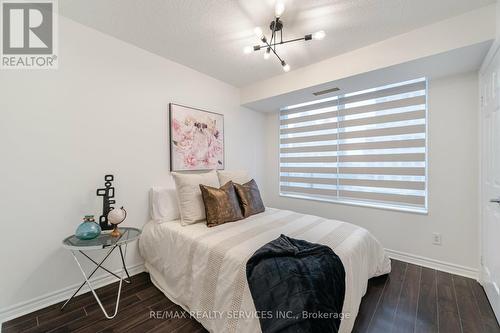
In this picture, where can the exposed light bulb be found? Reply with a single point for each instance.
(258, 32)
(267, 54)
(279, 9)
(286, 67)
(248, 49)
(319, 35)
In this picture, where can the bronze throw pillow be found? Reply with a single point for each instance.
(250, 200)
(221, 204)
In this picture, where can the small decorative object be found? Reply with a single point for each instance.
(196, 139)
(107, 193)
(115, 217)
(88, 229)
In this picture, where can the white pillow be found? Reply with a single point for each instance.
(189, 194)
(238, 177)
(164, 204)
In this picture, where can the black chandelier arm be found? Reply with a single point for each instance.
(273, 36)
(259, 47)
(274, 51)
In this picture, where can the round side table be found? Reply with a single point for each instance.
(103, 241)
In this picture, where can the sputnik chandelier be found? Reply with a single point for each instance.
(270, 44)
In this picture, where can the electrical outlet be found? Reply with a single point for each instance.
(436, 238)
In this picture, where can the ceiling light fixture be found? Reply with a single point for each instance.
(271, 44)
(279, 9)
(286, 67)
(267, 54)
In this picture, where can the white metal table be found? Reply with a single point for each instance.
(103, 241)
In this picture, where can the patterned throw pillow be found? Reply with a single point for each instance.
(250, 200)
(221, 204)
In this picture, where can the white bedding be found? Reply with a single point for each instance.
(203, 269)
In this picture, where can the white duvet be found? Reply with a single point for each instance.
(203, 269)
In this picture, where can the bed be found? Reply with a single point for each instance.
(203, 269)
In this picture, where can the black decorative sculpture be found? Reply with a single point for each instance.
(107, 193)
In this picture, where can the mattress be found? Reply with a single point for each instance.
(203, 269)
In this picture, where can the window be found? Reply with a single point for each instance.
(368, 148)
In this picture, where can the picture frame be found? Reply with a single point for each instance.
(196, 139)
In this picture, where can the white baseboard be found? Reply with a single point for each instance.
(434, 264)
(43, 301)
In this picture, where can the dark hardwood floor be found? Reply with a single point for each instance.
(410, 299)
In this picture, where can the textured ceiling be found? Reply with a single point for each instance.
(209, 35)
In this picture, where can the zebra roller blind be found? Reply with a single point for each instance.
(367, 147)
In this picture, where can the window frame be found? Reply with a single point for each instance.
(361, 203)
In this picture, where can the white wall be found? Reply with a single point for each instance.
(105, 110)
(453, 182)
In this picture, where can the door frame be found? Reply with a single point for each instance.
(490, 57)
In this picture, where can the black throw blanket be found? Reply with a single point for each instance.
(296, 286)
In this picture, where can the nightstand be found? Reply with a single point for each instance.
(103, 242)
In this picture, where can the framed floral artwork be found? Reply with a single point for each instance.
(196, 139)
